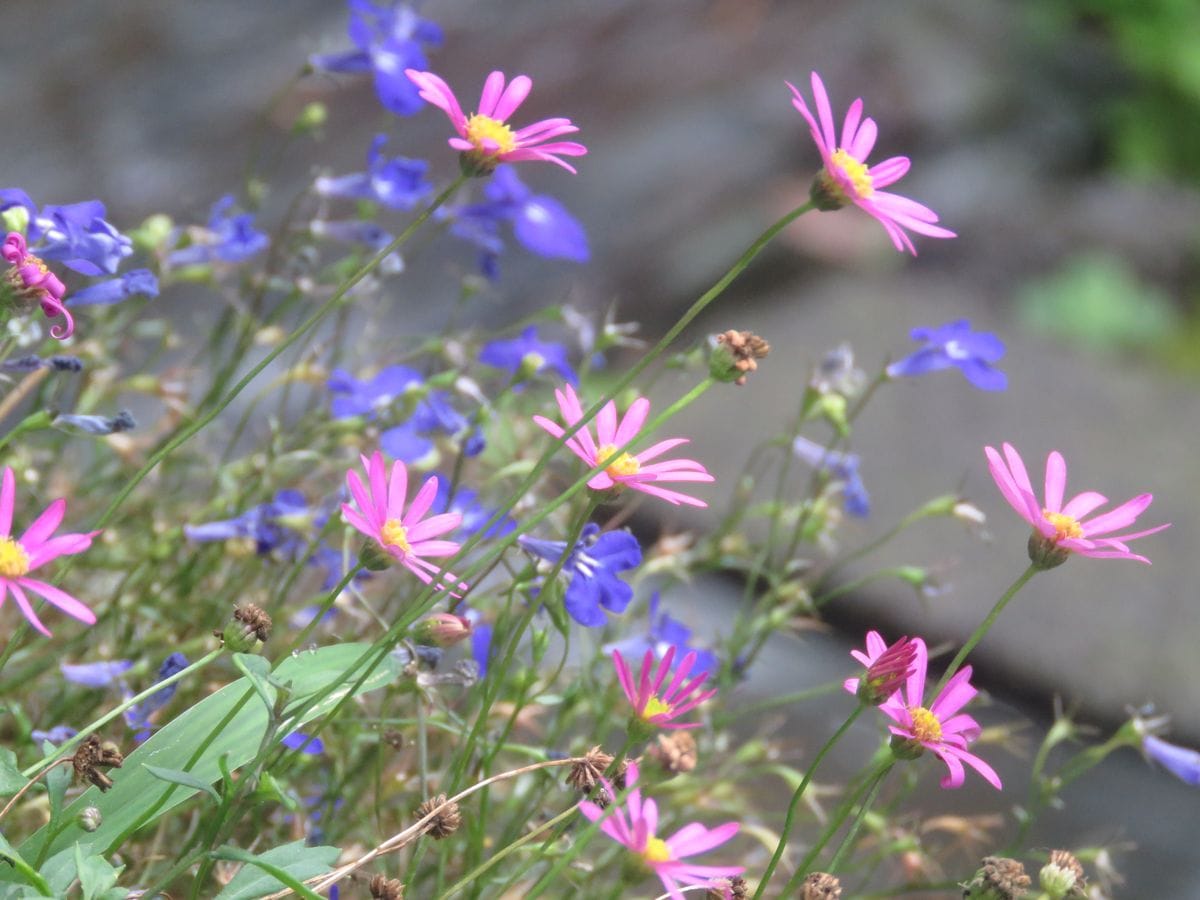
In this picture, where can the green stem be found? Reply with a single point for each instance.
(474, 874)
(789, 819)
(987, 623)
(67, 746)
(852, 832)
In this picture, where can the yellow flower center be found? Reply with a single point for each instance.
(622, 465)
(395, 535)
(925, 725)
(14, 561)
(655, 707)
(656, 851)
(855, 172)
(485, 128)
(1065, 526)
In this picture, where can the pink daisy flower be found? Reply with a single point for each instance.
(938, 727)
(36, 547)
(403, 536)
(31, 278)
(887, 668)
(484, 136)
(847, 179)
(1061, 527)
(679, 697)
(634, 825)
(627, 470)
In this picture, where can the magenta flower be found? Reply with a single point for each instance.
(484, 137)
(28, 277)
(403, 536)
(846, 178)
(887, 668)
(937, 727)
(634, 827)
(1061, 527)
(20, 556)
(626, 470)
(681, 695)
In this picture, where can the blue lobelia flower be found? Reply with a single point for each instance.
(466, 503)
(526, 355)
(114, 290)
(481, 646)
(228, 238)
(75, 234)
(388, 39)
(305, 743)
(56, 735)
(540, 223)
(97, 425)
(398, 183)
(360, 231)
(96, 674)
(665, 632)
(265, 524)
(591, 571)
(410, 440)
(1181, 762)
(843, 467)
(138, 715)
(955, 344)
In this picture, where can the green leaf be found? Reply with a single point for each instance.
(228, 721)
(187, 779)
(258, 670)
(11, 779)
(260, 874)
(9, 854)
(96, 874)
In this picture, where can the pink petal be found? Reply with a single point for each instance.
(695, 838)
(670, 496)
(864, 141)
(606, 426)
(493, 87)
(59, 598)
(514, 95)
(358, 522)
(889, 171)
(824, 111)
(434, 548)
(63, 545)
(988, 773)
(359, 492)
(433, 526)
(955, 695)
(23, 604)
(421, 502)
(1125, 514)
(916, 679)
(43, 526)
(1082, 504)
(397, 490)
(660, 448)
(631, 424)
(625, 677)
(435, 91)
(8, 493)
(1009, 488)
(1056, 481)
(850, 123)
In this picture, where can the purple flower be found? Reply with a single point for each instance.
(955, 344)
(591, 571)
(481, 647)
(360, 231)
(410, 440)
(95, 674)
(31, 362)
(540, 223)
(665, 632)
(388, 39)
(97, 425)
(56, 735)
(76, 234)
(261, 523)
(138, 715)
(298, 740)
(527, 355)
(228, 238)
(843, 467)
(398, 183)
(1181, 762)
(114, 290)
(466, 503)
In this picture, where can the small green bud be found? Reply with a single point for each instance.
(833, 408)
(442, 630)
(1062, 876)
(1045, 553)
(311, 118)
(541, 643)
(15, 218)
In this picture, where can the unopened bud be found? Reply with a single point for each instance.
(249, 626)
(735, 354)
(442, 630)
(311, 117)
(1062, 876)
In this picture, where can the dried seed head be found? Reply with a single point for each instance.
(821, 886)
(250, 626)
(736, 355)
(394, 738)
(998, 878)
(93, 755)
(445, 822)
(1063, 875)
(675, 751)
(585, 774)
(601, 797)
(384, 888)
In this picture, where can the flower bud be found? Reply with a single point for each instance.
(442, 630)
(1062, 876)
(1045, 553)
(997, 879)
(249, 626)
(735, 354)
(311, 118)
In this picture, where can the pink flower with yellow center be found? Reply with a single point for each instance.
(634, 826)
(651, 704)
(30, 278)
(626, 470)
(937, 727)
(485, 136)
(1063, 528)
(34, 548)
(405, 536)
(847, 179)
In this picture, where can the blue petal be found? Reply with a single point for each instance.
(544, 226)
(582, 602)
(96, 674)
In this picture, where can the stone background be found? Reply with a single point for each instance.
(694, 148)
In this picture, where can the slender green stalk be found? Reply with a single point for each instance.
(852, 832)
(496, 857)
(789, 819)
(790, 889)
(986, 624)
